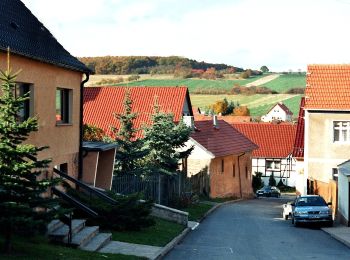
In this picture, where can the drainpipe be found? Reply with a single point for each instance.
(239, 175)
(80, 160)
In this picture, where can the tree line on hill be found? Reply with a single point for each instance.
(121, 65)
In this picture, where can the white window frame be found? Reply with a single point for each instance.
(273, 164)
(341, 128)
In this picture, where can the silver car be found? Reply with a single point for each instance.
(311, 209)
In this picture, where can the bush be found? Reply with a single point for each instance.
(241, 111)
(129, 214)
(295, 91)
(133, 77)
(280, 183)
(257, 182)
(272, 180)
(251, 90)
(110, 81)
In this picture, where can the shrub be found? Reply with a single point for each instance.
(296, 91)
(241, 111)
(272, 180)
(280, 183)
(92, 133)
(257, 182)
(129, 214)
(133, 77)
(110, 81)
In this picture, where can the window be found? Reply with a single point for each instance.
(233, 170)
(222, 165)
(341, 131)
(246, 172)
(22, 89)
(335, 174)
(63, 105)
(273, 165)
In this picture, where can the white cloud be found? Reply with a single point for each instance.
(282, 34)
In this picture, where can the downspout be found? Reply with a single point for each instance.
(80, 160)
(239, 176)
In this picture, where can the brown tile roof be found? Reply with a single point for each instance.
(283, 107)
(298, 150)
(274, 140)
(101, 103)
(223, 141)
(328, 87)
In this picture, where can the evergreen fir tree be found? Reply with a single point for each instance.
(272, 180)
(23, 204)
(131, 150)
(166, 141)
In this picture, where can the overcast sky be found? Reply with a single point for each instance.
(281, 34)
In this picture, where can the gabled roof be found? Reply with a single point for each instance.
(298, 150)
(328, 87)
(25, 35)
(283, 107)
(223, 141)
(274, 140)
(101, 103)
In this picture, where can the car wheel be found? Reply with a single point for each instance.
(296, 224)
(330, 223)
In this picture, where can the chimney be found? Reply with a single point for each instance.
(189, 121)
(215, 122)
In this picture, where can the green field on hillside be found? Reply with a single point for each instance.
(193, 84)
(287, 81)
(257, 104)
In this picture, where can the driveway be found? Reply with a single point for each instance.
(254, 229)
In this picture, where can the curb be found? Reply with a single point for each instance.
(172, 243)
(165, 250)
(337, 237)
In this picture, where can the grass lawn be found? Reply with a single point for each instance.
(287, 81)
(159, 235)
(258, 104)
(193, 84)
(34, 248)
(197, 211)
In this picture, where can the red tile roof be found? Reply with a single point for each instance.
(101, 103)
(223, 141)
(228, 119)
(298, 150)
(274, 140)
(328, 87)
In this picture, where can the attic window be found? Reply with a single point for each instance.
(14, 25)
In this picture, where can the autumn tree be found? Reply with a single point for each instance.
(241, 111)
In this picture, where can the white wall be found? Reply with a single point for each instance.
(300, 182)
(198, 159)
(343, 195)
(276, 113)
(258, 165)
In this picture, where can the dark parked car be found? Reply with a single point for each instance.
(268, 192)
(311, 209)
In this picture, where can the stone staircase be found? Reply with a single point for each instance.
(83, 237)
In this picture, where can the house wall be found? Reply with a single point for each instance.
(287, 173)
(90, 162)
(234, 181)
(277, 113)
(198, 160)
(300, 181)
(105, 169)
(321, 153)
(63, 140)
(343, 198)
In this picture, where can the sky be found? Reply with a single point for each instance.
(280, 34)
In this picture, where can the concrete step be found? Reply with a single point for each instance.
(97, 242)
(84, 236)
(62, 232)
(53, 225)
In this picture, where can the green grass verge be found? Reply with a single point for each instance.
(158, 235)
(34, 248)
(287, 81)
(193, 84)
(197, 211)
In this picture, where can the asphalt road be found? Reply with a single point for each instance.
(254, 229)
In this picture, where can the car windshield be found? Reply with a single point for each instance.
(310, 201)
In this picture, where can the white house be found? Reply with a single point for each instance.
(274, 155)
(278, 112)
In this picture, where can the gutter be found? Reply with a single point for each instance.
(80, 160)
(239, 175)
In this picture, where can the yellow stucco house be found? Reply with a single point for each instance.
(55, 80)
(327, 128)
